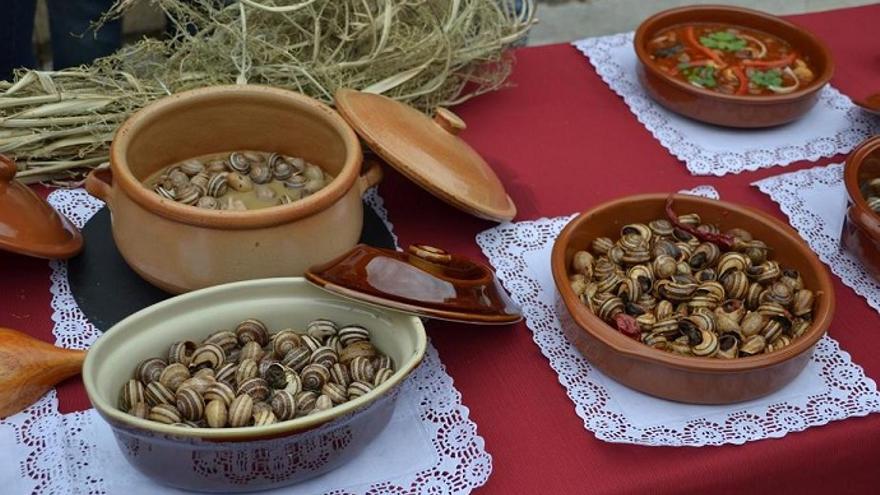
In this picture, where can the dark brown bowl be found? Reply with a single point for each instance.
(685, 378)
(732, 110)
(861, 232)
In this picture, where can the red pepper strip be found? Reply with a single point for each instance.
(627, 325)
(782, 62)
(723, 241)
(692, 39)
(743, 81)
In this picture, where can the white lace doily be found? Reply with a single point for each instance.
(833, 126)
(431, 446)
(815, 202)
(830, 388)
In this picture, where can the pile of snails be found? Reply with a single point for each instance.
(251, 377)
(682, 286)
(238, 181)
(871, 192)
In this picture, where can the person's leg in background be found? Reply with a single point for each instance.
(16, 36)
(73, 42)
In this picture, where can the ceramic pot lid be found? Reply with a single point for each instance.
(428, 152)
(28, 225)
(423, 281)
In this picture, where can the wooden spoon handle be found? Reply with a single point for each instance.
(30, 367)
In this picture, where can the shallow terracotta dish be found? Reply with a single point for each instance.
(732, 110)
(180, 248)
(861, 232)
(686, 378)
(250, 458)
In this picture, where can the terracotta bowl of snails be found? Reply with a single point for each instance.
(253, 457)
(686, 378)
(180, 248)
(861, 233)
(731, 110)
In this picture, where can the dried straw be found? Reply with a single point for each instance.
(425, 52)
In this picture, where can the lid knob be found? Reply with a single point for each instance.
(7, 169)
(450, 122)
(430, 253)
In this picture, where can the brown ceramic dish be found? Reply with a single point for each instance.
(686, 378)
(861, 232)
(256, 457)
(180, 248)
(732, 110)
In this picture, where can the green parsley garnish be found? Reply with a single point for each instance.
(766, 78)
(723, 40)
(700, 75)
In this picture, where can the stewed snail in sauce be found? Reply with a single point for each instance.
(730, 59)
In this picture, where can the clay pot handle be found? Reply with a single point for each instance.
(371, 175)
(866, 222)
(450, 122)
(98, 184)
(30, 367)
(7, 169)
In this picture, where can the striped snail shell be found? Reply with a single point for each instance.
(663, 310)
(149, 370)
(314, 376)
(708, 345)
(283, 405)
(615, 254)
(778, 292)
(208, 356)
(691, 219)
(284, 341)
(337, 393)
(216, 413)
(173, 375)
(190, 404)
(712, 290)
(240, 411)
(208, 203)
(775, 327)
(264, 417)
(177, 177)
(765, 272)
(324, 356)
(668, 327)
(362, 370)
(631, 241)
(733, 261)
(264, 363)
(334, 343)
(735, 284)
(357, 389)
(779, 343)
(296, 182)
(221, 392)
(769, 309)
(661, 227)
(382, 375)
(297, 358)
(607, 307)
(276, 376)
(217, 185)
(322, 403)
(360, 348)
(382, 361)
(728, 346)
(282, 170)
(350, 334)
(239, 163)
(752, 323)
(252, 329)
(675, 291)
(752, 297)
(189, 194)
(756, 251)
(226, 373)
(601, 245)
(201, 179)
(206, 373)
(639, 229)
(340, 375)
(260, 407)
(224, 338)
(251, 350)
(260, 173)
(247, 369)
(582, 263)
(155, 393)
(802, 303)
(629, 290)
(753, 345)
(198, 383)
(705, 255)
(321, 329)
(215, 166)
(164, 413)
(181, 352)
(312, 171)
(256, 387)
(311, 343)
(609, 282)
(140, 410)
(709, 228)
(132, 393)
(664, 266)
(646, 321)
(165, 192)
(305, 402)
(294, 382)
(792, 278)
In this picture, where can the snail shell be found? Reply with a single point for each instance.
(640, 229)
(297, 358)
(282, 170)
(631, 240)
(260, 173)
(252, 350)
(334, 343)
(201, 179)
(132, 393)
(676, 292)
(357, 389)
(240, 163)
(217, 185)
(294, 382)
(226, 373)
(802, 303)
(709, 345)
(362, 370)
(239, 182)
(661, 227)
(189, 194)
(709, 228)
(264, 417)
(741, 234)
(664, 266)
(703, 321)
(601, 246)
(190, 404)
(765, 272)
(276, 376)
(704, 256)
(155, 393)
(177, 178)
(216, 166)
(267, 361)
(712, 290)
(778, 292)
(305, 402)
(198, 383)
(205, 373)
(793, 279)
(164, 413)
(247, 369)
(260, 407)
(753, 345)
(296, 184)
(192, 167)
(322, 403)
(382, 361)
(216, 413)
(173, 375)
(208, 203)
(752, 323)
(359, 348)
(608, 307)
(313, 172)
(165, 192)
(208, 356)
(582, 262)
(264, 193)
(663, 310)
(691, 219)
(752, 297)
(224, 338)
(149, 370)
(616, 254)
(284, 341)
(774, 328)
(324, 356)
(240, 411)
(336, 392)
(769, 309)
(221, 392)
(756, 251)
(252, 329)
(735, 284)
(340, 375)
(283, 405)
(646, 321)
(707, 275)
(663, 246)
(321, 329)
(311, 343)
(256, 387)
(314, 376)
(181, 352)
(382, 375)
(610, 282)
(728, 347)
(655, 340)
(140, 410)
(779, 343)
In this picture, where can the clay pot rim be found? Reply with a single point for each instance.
(648, 27)
(851, 174)
(264, 217)
(592, 324)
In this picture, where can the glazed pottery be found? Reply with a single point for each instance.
(870, 103)
(861, 232)
(180, 248)
(246, 458)
(746, 111)
(688, 378)
(28, 224)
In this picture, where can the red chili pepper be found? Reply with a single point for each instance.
(743, 80)
(627, 325)
(692, 39)
(782, 62)
(724, 241)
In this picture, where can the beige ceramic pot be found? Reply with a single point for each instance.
(180, 248)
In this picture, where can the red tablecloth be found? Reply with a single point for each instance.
(562, 142)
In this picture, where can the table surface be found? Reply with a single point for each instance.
(562, 142)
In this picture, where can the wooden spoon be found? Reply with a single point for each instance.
(870, 103)
(30, 367)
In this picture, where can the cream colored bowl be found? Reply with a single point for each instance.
(248, 458)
